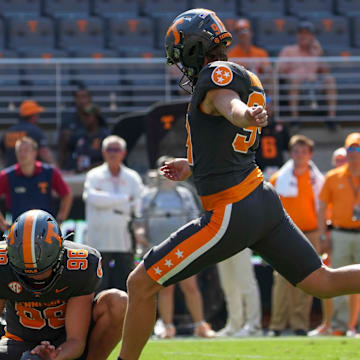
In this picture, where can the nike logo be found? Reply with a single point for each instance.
(61, 290)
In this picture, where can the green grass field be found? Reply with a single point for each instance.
(283, 348)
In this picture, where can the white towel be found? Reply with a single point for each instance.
(286, 182)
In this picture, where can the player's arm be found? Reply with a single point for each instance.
(77, 322)
(227, 103)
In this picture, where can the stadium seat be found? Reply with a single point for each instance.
(332, 31)
(66, 8)
(252, 8)
(116, 8)
(131, 33)
(310, 7)
(94, 53)
(161, 26)
(222, 8)
(20, 8)
(164, 7)
(81, 33)
(31, 33)
(275, 33)
(356, 32)
(348, 7)
(2, 34)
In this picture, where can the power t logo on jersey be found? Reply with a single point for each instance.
(222, 75)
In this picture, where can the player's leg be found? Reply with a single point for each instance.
(185, 253)
(108, 317)
(141, 312)
(290, 253)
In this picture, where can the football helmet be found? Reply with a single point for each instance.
(34, 245)
(191, 35)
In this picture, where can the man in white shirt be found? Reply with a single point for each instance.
(112, 194)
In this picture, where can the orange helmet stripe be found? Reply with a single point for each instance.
(28, 240)
(175, 31)
(219, 23)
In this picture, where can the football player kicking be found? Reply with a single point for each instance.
(224, 120)
(47, 285)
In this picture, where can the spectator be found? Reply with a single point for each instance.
(71, 123)
(274, 142)
(298, 183)
(166, 207)
(85, 143)
(29, 184)
(244, 48)
(52, 303)
(341, 192)
(338, 159)
(112, 194)
(299, 73)
(27, 126)
(242, 296)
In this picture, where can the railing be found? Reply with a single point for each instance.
(132, 84)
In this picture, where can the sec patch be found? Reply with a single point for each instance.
(222, 75)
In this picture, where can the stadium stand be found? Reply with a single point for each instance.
(75, 33)
(31, 33)
(356, 31)
(66, 8)
(2, 35)
(20, 8)
(222, 8)
(275, 33)
(121, 29)
(164, 7)
(128, 33)
(116, 8)
(332, 31)
(268, 8)
(348, 7)
(310, 8)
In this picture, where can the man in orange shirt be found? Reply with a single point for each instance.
(298, 183)
(341, 192)
(245, 49)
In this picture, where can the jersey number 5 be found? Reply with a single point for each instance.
(242, 142)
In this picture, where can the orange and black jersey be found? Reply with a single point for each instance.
(31, 316)
(222, 156)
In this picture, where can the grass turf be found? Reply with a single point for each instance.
(283, 348)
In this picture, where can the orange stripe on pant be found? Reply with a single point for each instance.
(187, 247)
(29, 261)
